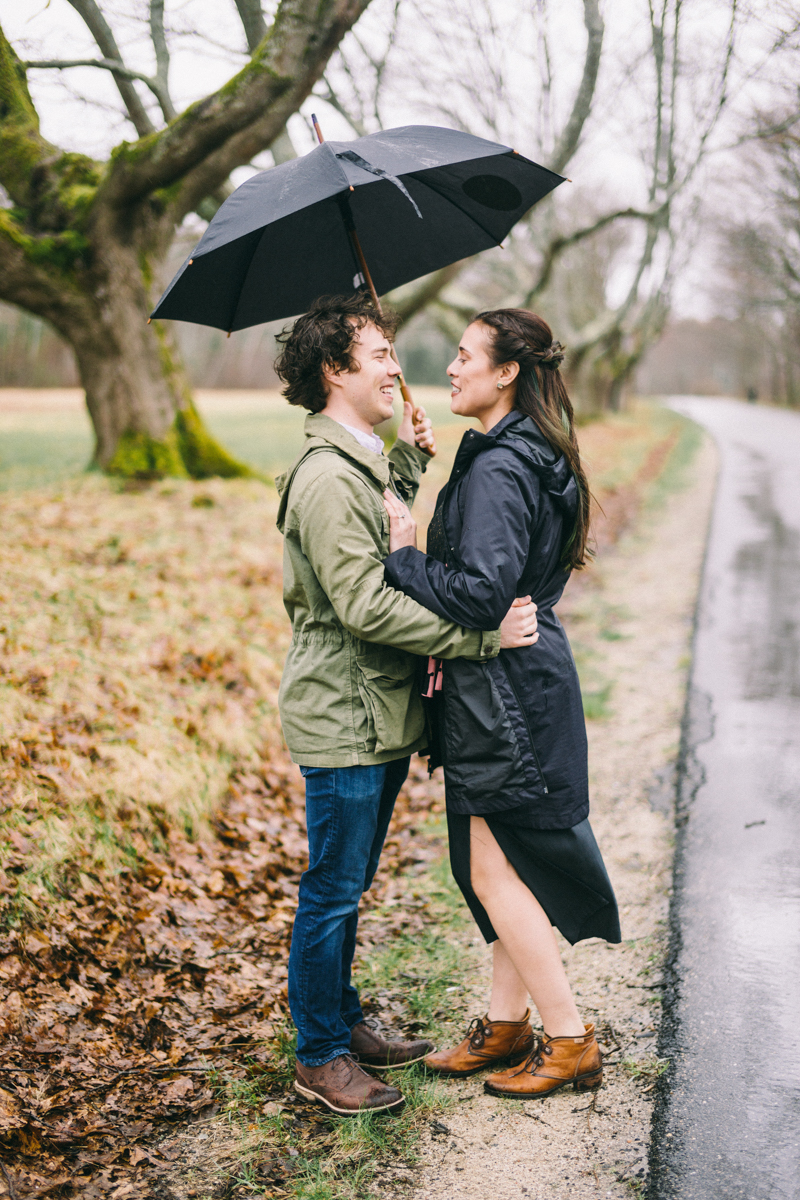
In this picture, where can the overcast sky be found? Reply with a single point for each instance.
(207, 45)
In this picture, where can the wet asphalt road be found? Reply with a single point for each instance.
(728, 1122)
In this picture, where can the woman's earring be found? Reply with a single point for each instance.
(501, 386)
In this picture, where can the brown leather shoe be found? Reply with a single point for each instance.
(344, 1088)
(555, 1063)
(373, 1050)
(487, 1044)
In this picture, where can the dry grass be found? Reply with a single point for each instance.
(142, 635)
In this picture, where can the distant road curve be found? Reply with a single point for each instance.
(727, 1123)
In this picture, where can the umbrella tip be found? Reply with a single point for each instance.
(191, 260)
(149, 319)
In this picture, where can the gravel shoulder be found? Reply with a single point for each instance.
(635, 610)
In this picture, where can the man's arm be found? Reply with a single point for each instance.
(341, 531)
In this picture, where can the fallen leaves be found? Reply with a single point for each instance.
(115, 1019)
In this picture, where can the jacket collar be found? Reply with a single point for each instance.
(474, 440)
(319, 426)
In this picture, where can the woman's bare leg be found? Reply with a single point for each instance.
(509, 1000)
(529, 948)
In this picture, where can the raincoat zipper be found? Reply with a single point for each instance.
(528, 727)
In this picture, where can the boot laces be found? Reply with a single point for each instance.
(351, 1064)
(535, 1058)
(476, 1033)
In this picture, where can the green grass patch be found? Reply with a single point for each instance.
(311, 1154)
(675, 473)
(645, 1070)
(53, 440)
(596, 702)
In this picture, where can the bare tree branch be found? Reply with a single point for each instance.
(162, 58)
(558, 245)
(101, 32)
(408, 301)
(567, 143)
(107, 64)
(255, 30)
(330, 97)
(229, 127)
(255, 27)
(765, 132)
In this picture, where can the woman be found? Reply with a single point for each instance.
(512, 521)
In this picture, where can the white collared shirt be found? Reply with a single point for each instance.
(370, 441)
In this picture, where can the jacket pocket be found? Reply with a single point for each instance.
(387, 689)
(481, 753)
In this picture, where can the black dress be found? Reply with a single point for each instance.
(511, 733)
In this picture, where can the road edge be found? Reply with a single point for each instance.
(696, 728)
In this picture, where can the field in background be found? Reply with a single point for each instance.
(46, 435)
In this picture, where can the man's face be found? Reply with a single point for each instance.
(369, 390)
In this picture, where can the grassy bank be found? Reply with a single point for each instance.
(414, 977)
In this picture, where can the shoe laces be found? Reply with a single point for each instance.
(476, 1033)
(536, 1057)
(351, 1063)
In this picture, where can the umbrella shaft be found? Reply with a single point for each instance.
(362, 262)
(404, 392)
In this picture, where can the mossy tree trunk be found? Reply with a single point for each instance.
(137, 393)
(82, 243)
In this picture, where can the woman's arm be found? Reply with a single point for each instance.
(492, 552)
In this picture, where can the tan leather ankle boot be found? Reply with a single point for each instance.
(555, 1063)
(487, 1044)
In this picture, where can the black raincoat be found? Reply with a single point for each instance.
(511, 731)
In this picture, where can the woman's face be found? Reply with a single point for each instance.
(475, 391)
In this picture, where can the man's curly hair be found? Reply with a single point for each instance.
(323, 338)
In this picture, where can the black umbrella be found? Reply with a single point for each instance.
(419, 197)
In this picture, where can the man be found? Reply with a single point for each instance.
(349, 699)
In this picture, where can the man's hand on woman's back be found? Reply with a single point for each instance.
(518, 626)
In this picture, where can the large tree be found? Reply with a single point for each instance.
(82, 241)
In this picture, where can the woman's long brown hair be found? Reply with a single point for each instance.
(520, 336)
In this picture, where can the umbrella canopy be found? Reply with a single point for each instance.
(420, 198)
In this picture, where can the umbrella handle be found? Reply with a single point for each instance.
(408, 399)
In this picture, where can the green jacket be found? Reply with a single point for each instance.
(349, 694)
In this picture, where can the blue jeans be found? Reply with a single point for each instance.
(348, 810)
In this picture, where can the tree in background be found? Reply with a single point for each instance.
(600, 270)
(81, 241)
(761, 255)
